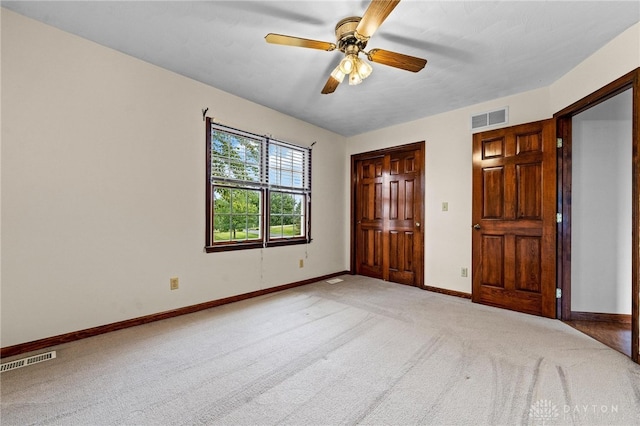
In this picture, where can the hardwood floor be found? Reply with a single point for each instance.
(616, 335)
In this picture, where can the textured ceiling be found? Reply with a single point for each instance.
(476, 50)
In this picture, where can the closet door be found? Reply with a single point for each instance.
(387, 200)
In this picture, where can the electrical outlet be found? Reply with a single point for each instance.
(174, 283)
(464, 272)
(301, 263)
(445, 206)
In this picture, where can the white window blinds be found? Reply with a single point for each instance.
(245, 159)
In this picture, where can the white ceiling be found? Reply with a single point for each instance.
(476, 50)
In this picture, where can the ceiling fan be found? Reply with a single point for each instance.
(352, 35)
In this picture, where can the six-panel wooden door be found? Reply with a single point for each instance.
(514, 212)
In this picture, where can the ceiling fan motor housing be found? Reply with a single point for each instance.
(346, 37)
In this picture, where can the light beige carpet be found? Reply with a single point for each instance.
(362, 351)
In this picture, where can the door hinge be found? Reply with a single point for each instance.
(558, 293)
(559, 142)
(558, 217)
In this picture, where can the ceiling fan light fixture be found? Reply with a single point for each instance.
(338, 74)
(354, 79)
(363, 68)
(347, 64)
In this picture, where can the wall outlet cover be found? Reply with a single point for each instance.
(174, 283)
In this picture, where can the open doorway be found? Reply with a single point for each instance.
(598, 268)
(601, 221)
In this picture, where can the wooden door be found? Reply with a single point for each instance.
(514, 218)
(369, 216)
(387, 210)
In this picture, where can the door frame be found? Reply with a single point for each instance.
(417, 146)
(563, 118)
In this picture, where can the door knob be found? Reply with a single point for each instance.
(476, 226)
(418, 224)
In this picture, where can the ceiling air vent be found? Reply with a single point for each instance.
(491, 118)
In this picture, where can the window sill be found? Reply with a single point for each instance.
(254, 245)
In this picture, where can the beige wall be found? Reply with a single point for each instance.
(448, 153)
(103, 188)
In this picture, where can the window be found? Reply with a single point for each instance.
(258, 190)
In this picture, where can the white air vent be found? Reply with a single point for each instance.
(24, 362)
(491, 118)
(334, 281)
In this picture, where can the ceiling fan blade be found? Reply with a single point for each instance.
(299, 42)
(330, 86)
(397, 60)
(375, 15)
